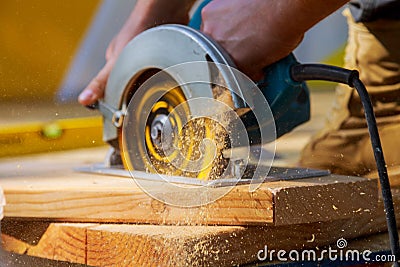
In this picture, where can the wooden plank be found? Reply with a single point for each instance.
(160, 245)
(2, 203)
(304, 203)
(12, 244)
(63, 244)
(46, 187)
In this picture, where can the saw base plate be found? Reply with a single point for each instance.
(271, 175)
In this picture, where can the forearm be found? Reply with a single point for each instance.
(145, 15)
(298, 16)
(150, 13)
(257, 33)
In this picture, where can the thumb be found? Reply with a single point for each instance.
(96, 87)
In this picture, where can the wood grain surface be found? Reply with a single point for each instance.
(46, 188)
(167, 245)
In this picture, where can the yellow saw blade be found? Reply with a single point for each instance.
(194, 149)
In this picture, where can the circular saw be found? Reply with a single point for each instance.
(175, 104)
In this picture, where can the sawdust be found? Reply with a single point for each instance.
(198, 159)
(190, 143)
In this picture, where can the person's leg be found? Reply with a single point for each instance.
(343, 146)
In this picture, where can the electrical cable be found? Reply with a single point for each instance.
(305, 72)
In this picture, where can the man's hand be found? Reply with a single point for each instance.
(96, 87)
(146, 14)
(257, 33)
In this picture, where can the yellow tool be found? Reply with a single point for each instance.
(36, 137)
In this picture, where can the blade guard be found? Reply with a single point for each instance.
(149, 53)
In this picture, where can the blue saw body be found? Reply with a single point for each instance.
(289, 100)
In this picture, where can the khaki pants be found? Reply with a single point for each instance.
(343, 145)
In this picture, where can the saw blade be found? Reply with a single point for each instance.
(161, 136)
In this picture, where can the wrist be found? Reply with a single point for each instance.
(151, 13)
(286, 26)
(299, 16)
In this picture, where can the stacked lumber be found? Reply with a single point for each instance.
(77, 214)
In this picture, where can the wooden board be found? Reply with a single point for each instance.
(46, 187)
(2, 203)
(160, 245)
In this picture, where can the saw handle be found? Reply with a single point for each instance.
(289, 100)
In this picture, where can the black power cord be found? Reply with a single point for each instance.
(304, 72)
